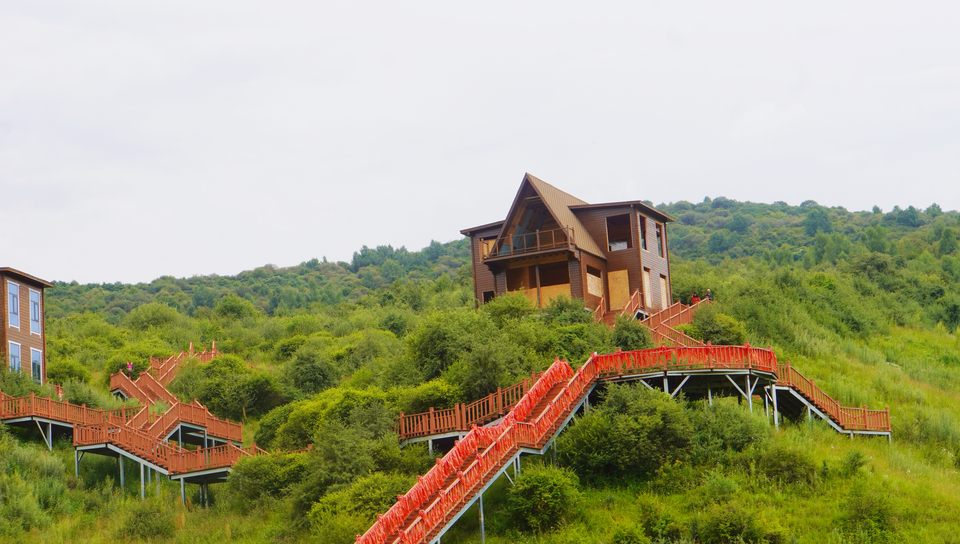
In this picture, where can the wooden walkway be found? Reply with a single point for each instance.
(458, 480)
(138, 434)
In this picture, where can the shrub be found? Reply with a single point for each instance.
(869, 511)
(633, 433)
(148, 520)
(734, 523)
(723, 428)
(437, 394)
(629, 335)
(255, 478)
(511, 306)
(628, 535)
(341, 515)
(59, 371)
(718, 328)
(782, 464)
(543, 498)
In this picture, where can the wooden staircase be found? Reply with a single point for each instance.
(441, 496)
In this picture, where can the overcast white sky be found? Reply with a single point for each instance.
(140, 139)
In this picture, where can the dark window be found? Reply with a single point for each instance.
(618, 233)
(642, 221)
(487, 296)
(660, 239)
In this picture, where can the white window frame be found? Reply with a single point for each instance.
(10, 345)
(16, 287)
(40, 352)
(39, 321)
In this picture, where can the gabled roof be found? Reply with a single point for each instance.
(558, 203)
(495, 224)
(7, 271)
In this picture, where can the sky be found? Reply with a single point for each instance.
(143, 139)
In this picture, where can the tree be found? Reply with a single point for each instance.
(817, 220)
(739, 224)
(948, 243)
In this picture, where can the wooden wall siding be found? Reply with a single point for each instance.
(595, 221)
(619, 288)
(589, 260)
(483, 278)
(577, 288)
(23, 336)
(501, 278)
(658, 265)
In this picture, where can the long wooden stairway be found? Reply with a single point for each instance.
(444, 493)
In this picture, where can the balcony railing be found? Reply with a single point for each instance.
(529, 242)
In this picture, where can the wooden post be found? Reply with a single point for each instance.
(430, 421)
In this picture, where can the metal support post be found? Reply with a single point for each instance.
(158, 484)
(666, 384)
(76, 463)
(183, 492)
(710, 395)
(776, 410)
(120, 459)
(143, 490)
(483, 529)
(430, 446)
(749, 394)
(766, 406)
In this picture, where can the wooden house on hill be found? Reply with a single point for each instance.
(553, 243)
(24, 334)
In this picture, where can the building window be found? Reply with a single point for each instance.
(13, 304)
(14, 349)
(642, 221)
(488, 296)
(36, 365)
(35, 311)
(618, 233)
(660, 239)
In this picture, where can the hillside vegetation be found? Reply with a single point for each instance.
(865, 303)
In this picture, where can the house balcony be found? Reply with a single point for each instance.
(526, 244)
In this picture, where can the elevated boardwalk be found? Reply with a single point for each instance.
(458, 480)
(138, 434)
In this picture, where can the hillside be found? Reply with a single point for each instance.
(866, 303)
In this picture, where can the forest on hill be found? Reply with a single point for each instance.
(328, 353)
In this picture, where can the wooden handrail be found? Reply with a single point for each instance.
(633, 305)
(601, 309)
(474, 460)
(532, 241)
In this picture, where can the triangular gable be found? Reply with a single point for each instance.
(558, 204)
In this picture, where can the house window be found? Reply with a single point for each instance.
(642, 221)
(660, 239)
(647, 290)
(13, 304)
(488, 296)
(35, 311)
(594, 281)
(36, 365)
(14, 349)
(618, 233)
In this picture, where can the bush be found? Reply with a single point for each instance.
(734, 523)
(723, 428)
(633, 433)
(511, 306)
(543, 498)
(59, 371)
(868, 511)
(148, 520)
(437, 394)
(255, 478)
(629, 335)
(154, 315)
(781, 464)
(341, 515)
(718, 328)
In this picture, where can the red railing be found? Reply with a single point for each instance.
(633, 305)
(528, 242)
(851, 419)
(129, 388)
(33, 406)
(462, 416)
(601, 309)
(484, 450)
(664, 333)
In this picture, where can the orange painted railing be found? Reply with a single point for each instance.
(462, 416)
(601, 309)
(633, 305)
(488, 448)
(664, 334)
(33, 406)
(851, 419)
(129, 388)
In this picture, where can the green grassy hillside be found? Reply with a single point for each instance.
(866, 303)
